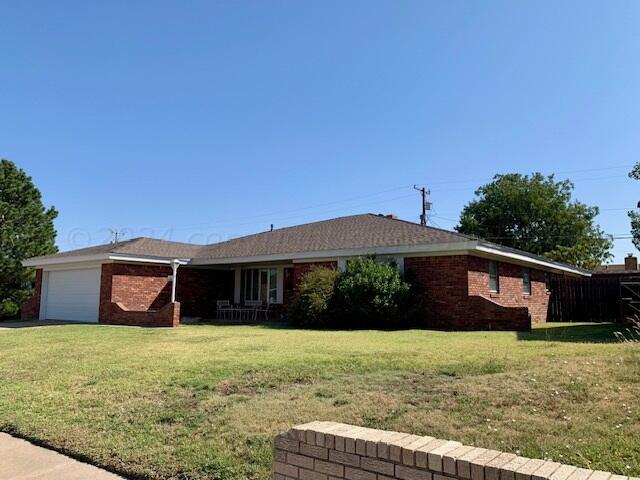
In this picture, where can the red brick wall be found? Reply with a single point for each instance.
(141, 287)
(30, 309)
(511, 294)
(104, 310)
(454, 293)
(443, 290)
(167, 316)
(137, 295)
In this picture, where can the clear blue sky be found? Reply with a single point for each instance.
(199, 121)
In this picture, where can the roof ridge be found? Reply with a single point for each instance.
(121, 243)
(287, 228)
(440, 229)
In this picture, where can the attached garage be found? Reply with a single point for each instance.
(71, 295)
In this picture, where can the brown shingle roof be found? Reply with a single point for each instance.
(611, 268)
(136, 246)
(356, 231)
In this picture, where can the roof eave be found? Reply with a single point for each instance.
(101, 258)
(56, 260)
(524, 258)
(451, 248)
(345, 252)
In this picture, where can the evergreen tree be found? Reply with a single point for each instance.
(26, 230)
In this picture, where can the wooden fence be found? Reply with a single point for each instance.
(585, 300)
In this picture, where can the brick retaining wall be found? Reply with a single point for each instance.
(334, 451)
(167, 316)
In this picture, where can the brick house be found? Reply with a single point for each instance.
(627, 271)
(465, 283)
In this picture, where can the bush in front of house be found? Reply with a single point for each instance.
(368, 294)
(313, 304)
(372, 294)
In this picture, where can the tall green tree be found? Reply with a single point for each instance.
(26, 230)
(634, 215)
(537, 214)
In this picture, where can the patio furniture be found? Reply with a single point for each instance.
(263, 310)
(224, 309)
(251, 309)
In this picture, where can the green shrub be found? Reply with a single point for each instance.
(372, 295)
(367, 294)
(312, 306)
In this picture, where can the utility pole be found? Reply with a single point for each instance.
(426, 205)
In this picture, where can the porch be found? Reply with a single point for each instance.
(234, 294)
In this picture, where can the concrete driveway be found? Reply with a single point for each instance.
(21, 460)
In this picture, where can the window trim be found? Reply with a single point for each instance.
(494, 276)
(255, 291)
(526, 285)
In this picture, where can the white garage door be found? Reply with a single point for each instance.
(72, 295)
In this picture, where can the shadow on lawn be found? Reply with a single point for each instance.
(7, 324)
(571, 332)
(555, 332)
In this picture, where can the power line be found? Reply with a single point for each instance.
(620, 236)
(617, 209)
(279, 215)
(222, 223)
(588, 179)
(274, 215)
(581, 170)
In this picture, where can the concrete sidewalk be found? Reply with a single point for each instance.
(20, 460)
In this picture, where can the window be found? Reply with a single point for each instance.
(526, 281)
(259, 284)
(494, 278)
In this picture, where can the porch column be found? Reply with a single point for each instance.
(174, 266)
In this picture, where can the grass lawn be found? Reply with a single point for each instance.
(205, 401)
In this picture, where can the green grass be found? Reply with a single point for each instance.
(205, 401)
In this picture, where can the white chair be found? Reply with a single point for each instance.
(263, 310)
(223, 308)
(251, 309)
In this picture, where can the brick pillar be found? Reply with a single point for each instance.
(30, 309)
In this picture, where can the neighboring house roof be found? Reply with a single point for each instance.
(343, 236)
(612, 268)
(615, 270)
